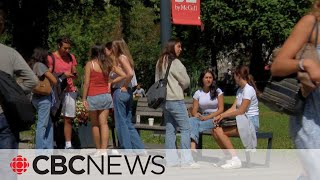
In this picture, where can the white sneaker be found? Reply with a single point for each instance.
(191, 166)
(97, 154)
(104, 153)
(222, 161)
(114, 152)
(234, 163)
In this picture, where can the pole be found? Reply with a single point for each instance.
(165, 21)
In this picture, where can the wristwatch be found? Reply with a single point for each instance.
(300, 65)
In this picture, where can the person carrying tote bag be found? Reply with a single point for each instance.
(42, 101)
(305, 128)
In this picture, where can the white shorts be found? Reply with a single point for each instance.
(69, 104)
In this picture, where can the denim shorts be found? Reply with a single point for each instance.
(100, 102)
(255, 121)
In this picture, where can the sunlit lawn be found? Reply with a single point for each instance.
(269, 122)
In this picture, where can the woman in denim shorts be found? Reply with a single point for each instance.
(246, 103)
(96, 95)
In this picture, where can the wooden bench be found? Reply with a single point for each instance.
(143, 110)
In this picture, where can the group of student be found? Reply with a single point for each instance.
(110, 69)
(207, 110)
(108, 81)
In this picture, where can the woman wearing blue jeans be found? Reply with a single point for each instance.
(207, 104)
(174, 109)
(44, 131)
(123, 100)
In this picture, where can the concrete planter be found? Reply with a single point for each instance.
(85, 136)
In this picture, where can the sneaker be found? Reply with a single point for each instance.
(70, 150)
(234, 163)
(96, 154)
(191, 166)
(115, 152)
(104, 153)
(222, 161)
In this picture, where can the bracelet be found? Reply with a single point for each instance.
(300, 65)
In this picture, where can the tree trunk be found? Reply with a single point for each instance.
(30, 25)
(214, 57)
(257, 64)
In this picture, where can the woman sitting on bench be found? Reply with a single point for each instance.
(246, 103)
(207, 104)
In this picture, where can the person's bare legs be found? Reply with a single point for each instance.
(222, 137)
(95, 129)
(67, 130)
(104, 129)
(193, 145)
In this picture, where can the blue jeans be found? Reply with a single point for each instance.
(127, 134)
(8, 138)
(44, 131)
(198, 126)
(255, 121)
(175, 115)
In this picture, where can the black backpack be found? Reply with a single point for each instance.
(58, 91)
(17, 107)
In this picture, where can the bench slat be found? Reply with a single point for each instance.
(148, 109)
(155, 114)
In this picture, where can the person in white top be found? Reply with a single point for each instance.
(246, 102)
(207, 104)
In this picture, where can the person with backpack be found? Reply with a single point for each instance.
(12, 63)
(62, 61)
(41, 101)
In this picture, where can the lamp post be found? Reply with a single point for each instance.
(165, 21)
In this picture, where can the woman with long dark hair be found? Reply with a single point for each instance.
(44, 130)
(96, 94)
(207, 104)
(174, 108)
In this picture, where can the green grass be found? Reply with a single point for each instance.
(269, 122)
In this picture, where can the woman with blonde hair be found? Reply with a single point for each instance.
(96, 97)
(123, 99)
(305, 128)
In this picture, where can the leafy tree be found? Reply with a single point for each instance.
(259, 25)
(144, 42)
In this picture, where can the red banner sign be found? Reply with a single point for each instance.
(186, 12)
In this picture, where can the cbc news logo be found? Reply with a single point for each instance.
(19, 164)
(59, 164)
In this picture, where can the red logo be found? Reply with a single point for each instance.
(19, 164)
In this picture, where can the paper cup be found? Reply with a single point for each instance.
(151, 121)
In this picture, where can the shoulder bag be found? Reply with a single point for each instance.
(284, 94)
(157, 93)
(44, 86)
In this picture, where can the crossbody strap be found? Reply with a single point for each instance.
(167, 72)
(315, 27)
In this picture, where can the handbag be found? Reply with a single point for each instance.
(285, 95)
(44, 86)
(157, 93)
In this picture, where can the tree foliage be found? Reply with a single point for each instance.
(242, 31)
